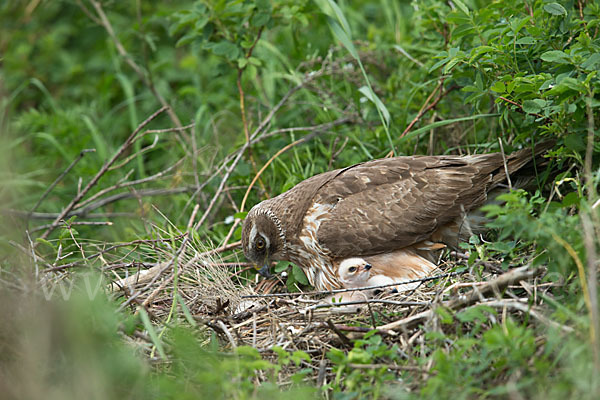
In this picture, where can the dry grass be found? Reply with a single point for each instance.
(223, 297)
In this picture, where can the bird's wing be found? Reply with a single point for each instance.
(388, 204)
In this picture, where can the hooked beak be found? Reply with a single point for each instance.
(264, 270)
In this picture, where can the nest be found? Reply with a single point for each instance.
(262, 314)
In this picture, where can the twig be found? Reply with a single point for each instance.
(405, 53)
(222, 248)
(212, 202)
(127, 184)
(368, 301)
(158, 274)
(136, 154)
(57, 180)
(241, 151)
(264, 167)
(527, 310)
(129, 195)
(321, 127)
(102, 171)
(520, 107)
(40, 215)
(427, 279)
(79, 223)
(138, 70)
(347, 343)
(505, 164)
(518, 274)
(387, 366)
(426, 107)
(224, 329)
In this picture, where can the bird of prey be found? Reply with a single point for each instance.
(392, 212)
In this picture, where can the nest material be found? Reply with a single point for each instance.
(222, 302)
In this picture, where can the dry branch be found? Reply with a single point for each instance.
(98, 175)
(496, 285)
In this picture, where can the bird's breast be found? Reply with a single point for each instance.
(308, 253)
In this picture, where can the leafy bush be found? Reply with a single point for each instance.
(360, 80)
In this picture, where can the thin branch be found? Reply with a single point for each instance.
(57, 180)
(321, 127)
(129, 195)
(102, 171)
(516, 275)
(127, 184)
(505, 165)
(241, 151)
(163, 268)
(264, 167)
(427, 279)
(78, 223)
(138, 70)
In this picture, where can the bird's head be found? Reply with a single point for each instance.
(263, 237)
(354, 272)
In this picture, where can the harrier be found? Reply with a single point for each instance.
(393, 213)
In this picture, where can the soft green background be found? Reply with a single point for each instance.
(516, 71)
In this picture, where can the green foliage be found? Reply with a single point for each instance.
(519, 218)
(517, 71)
(356, 382)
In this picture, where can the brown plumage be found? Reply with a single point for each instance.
(383, 211)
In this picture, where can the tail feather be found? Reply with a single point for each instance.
(522, 163)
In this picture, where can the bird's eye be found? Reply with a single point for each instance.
(260, 244)
(352, 269)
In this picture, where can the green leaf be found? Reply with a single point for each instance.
(439, 64)
(369, 94)
(255, 61)
(47, 243)
(499, 87)
(227, 49)
(263, 5)
(437, 124)
(448, 67)
(340, 16)
(533, 106)
(445, 315)
(575, 142)
(526, 40)
(240, 215)
(571, 199)
(281, 266)
(475, 313)
(260, 19)
(186, 311)
(152, 332)
(343, 37)
(556, 56)
(555, 9)
(298, 356)
(592, 62)
(462, 6)
(299, 275)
